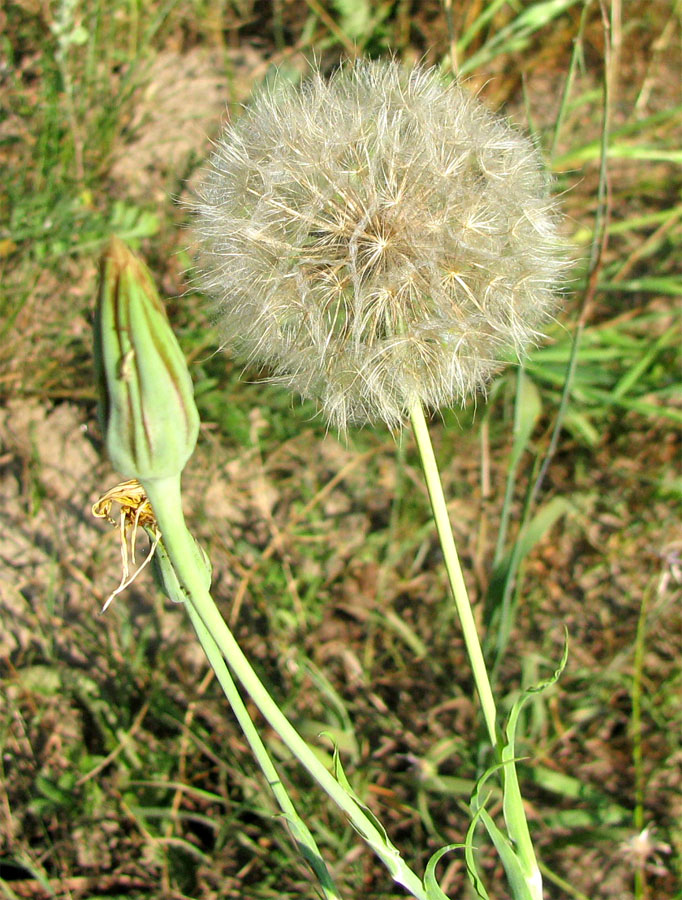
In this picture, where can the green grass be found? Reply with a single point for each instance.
(122, 771)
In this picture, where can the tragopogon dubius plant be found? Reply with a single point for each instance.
(381, 243)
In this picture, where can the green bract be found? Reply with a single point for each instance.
(149, 416)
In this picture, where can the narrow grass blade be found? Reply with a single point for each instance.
(526, 414)
(433, 889)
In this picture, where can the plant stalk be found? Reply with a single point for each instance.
(164, 496)
(299, 832)
(454, 569)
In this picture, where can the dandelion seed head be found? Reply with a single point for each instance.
(377, 238)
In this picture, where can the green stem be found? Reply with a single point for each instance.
(164, 495)
(300, 833)
(454, 569)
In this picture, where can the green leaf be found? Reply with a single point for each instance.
(472, 868)
(514, 815)
(522, 879)
(386, 850)
(355, 17)
(514, 37)
(45, 680)
(522, 888)
(526, 414)
(498, 599)
(433, 889)
(527, 410)
(305, 844)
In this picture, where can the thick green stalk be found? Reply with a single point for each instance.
(454, 569)
(300, 833)
(164, 495)
(516, 849)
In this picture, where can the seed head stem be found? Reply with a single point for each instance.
(453, 568)
(523, 853)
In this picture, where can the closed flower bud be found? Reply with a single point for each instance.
(149, 416)
(376, 239)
